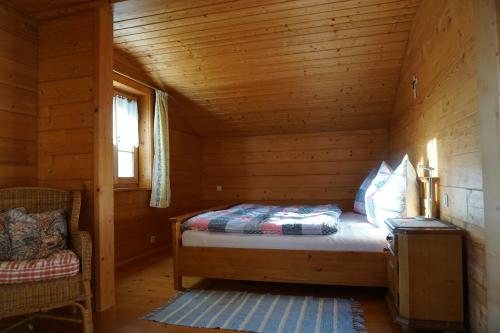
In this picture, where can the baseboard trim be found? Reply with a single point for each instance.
(142, 255)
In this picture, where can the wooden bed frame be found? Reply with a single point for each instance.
(295, 266)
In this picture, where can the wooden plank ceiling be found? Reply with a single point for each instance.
(35, 7)
(249, 67)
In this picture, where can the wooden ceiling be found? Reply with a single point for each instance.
(35, 7)
(251, 67)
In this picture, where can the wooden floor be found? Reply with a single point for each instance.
(145, 285)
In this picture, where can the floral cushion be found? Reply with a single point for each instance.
(359, 202)
(4, 238)
(383, 174)
(5, 248)
(36, 235)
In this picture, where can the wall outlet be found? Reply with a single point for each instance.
(219, 188)
(445, 200)
(152, 239)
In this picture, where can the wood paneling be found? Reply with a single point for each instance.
(487, 42)
(18, 99)
(302, 168)
(135, 221)
(34, 6)
(487, 14)
(43, 9)
(269, 67)
(441, 54)
(74, 127)
(66, 102)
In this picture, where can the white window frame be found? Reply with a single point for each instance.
(124, 182)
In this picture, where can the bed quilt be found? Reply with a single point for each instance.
(265, 219)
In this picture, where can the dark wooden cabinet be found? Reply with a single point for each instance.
(425, 274)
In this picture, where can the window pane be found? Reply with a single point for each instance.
(125, 134)
(126, 119)
(125, 164)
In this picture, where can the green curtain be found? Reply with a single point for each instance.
(160, 187)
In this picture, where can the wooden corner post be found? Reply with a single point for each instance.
(103, 160)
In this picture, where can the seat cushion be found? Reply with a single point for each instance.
(59, 264)
(38, 235)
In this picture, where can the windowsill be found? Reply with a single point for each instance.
(124, 189)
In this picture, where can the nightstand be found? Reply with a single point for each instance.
(425, 274)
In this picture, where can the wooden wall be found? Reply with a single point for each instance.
(49, 98)
(487, 41)
(135, 221)
(305, 168)
(441, 54)
(18, 98)
(66, 106)
(74, 127)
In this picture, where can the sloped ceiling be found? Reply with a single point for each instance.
(34, 7)
(250, 67)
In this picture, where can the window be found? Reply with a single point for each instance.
(132, 134)
(126, 139)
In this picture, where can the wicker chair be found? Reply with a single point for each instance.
(35, 298)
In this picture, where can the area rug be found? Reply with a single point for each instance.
(263, 313)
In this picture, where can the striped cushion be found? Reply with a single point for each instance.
(59, 264)
(383, 174)
(359, 202)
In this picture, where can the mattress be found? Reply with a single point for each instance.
(355, 234)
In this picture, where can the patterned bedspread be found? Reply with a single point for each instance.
(262, 219)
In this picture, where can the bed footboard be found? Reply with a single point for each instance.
(291, 266)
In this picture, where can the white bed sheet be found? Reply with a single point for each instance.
(355, 234)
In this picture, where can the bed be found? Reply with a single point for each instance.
(354, 255)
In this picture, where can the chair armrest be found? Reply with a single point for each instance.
(81, 244)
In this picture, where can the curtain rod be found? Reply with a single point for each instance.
(134, 79)
(141, 83)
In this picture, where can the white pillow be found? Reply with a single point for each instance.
(383, 174)
(398, 197)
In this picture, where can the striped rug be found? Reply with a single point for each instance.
(252, 312)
